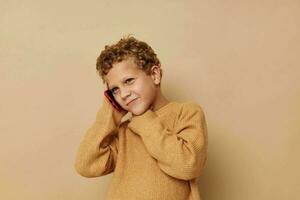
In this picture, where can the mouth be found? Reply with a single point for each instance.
(129, 103)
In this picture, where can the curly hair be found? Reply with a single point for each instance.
(144, 56)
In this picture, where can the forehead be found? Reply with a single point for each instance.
(121, 71)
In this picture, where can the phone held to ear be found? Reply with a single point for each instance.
(108, 94)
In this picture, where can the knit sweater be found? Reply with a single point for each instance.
(158, 155)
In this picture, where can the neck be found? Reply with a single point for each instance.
(160, 101)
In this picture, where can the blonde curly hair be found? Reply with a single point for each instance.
(144, 56)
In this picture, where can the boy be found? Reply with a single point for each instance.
(158, 153)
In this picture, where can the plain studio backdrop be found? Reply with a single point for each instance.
(238, 59)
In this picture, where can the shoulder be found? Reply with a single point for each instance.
(188, 115)
(178, 108)
(190, 107)
(190, 111)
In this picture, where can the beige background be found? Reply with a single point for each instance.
(238, 59)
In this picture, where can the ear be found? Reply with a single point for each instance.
(155, 74)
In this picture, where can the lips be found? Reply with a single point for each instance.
(131, 101)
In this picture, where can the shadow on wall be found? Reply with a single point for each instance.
(221, 174)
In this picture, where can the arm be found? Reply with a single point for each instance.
(181, 154)
(97, 152)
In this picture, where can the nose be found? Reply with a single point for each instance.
(124, 93)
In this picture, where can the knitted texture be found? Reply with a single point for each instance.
(158, 155)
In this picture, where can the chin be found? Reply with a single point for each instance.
(139, 110)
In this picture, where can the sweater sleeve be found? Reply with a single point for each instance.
(97, 152)
(182, 152)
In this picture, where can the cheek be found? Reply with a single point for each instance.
(148, 93)
(143, 88)
(118, 99)
(137, 88)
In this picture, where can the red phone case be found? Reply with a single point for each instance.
(108, 94)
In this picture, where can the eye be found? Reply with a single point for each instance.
(114, 90)
(129, 81)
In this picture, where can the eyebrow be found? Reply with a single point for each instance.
(123, 80)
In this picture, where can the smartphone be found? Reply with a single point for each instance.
(109, 95)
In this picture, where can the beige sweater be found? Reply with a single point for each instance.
(155, 156)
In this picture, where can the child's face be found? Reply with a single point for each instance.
(133, 89)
